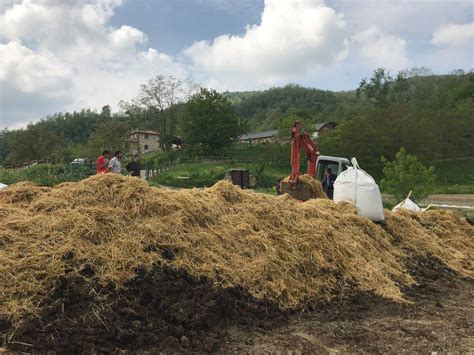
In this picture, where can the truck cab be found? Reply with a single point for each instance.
(336, 164)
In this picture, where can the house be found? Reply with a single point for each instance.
(322, 127)
(144, 141)
(259, 137)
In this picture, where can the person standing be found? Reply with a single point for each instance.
(134, 166)
(328, 183)
(102, 162)
(115, 165)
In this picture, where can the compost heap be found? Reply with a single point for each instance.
(314, 186)
(108, 231)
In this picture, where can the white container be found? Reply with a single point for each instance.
(359, 188)
(408, 204)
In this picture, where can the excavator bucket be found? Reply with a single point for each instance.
(305, 188)
(299, 190)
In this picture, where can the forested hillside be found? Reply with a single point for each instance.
(263, 110)
(430, 115)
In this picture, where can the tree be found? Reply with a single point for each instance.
(377, 88)
(4, 148)
(158, 99)
(110, 134)
(210, 122)
(405, 174)
(357, 137)
(106, 111)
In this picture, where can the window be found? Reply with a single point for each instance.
(325, 164)
(145, 147)
(146, 136)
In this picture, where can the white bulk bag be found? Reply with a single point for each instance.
(2, 186)
(356, 186)
(409, 205)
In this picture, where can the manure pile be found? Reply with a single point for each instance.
(114, 253)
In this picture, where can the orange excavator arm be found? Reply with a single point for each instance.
(302, 140)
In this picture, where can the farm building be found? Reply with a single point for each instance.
(322, 127)
(144, 141)
(259, 137)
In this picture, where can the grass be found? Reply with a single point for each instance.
(207, 174)
(454, 176)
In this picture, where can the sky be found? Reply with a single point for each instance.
(65, 55)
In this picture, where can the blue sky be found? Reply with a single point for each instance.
(174, 25)
(63, 55)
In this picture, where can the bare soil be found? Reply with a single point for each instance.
(168, 310)
(438, 317)
(453, 197)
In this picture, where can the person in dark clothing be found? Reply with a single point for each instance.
(278, 186)
(134, 166)
(328, 183)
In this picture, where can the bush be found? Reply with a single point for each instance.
(46, 174)
(405, 174)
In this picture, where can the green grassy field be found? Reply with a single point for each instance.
(207, 174)
(455, 176)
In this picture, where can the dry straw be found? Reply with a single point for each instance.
(315, 188)
(276, 248)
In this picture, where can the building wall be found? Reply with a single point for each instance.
(148, 142)
(143, 142)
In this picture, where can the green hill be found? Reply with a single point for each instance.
(263, 110)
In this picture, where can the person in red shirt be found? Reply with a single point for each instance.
(103, 162)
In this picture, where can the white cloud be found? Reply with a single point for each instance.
(401, 17)
(74, 54)
(31, 82)
(293, 38)
(28, 71)
(379, 49)
(59, 55)
(456, 35)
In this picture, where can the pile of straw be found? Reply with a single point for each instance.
(315, 188)
(276, 248)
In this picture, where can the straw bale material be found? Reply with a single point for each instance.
(314, 186)
(434, 233)
(278, 249)
(22, 193)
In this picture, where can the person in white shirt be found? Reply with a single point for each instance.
(114, 165)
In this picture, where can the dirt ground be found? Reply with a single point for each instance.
(452, 199)
(167, 310)
(469, 198)
(440, 317)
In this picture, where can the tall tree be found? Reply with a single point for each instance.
(210, 122)
(376, 88)
(159, 97)
(110, 134)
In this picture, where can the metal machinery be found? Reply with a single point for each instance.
(317, 164)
